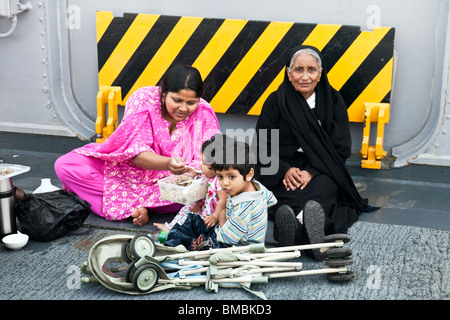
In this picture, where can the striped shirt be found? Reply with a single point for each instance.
(246, 217)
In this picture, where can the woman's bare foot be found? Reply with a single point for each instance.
(140, 216)
(161, 226)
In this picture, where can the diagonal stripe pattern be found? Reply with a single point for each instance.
(241, 61)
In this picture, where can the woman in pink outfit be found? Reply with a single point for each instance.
(161, 132)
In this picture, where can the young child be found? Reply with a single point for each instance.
(209, 207)
(245, 219)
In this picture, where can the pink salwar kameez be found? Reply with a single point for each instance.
(103, 173)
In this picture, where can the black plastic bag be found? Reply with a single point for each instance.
(51, 215)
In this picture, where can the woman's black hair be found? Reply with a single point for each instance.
(181, 77)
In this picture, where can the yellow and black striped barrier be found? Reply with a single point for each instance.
(242, 61)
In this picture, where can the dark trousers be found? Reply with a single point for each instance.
(191, 232)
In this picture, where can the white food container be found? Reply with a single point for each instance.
(186, 193)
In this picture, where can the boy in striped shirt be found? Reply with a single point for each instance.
(245, 219)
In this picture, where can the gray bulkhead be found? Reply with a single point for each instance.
(49, 72)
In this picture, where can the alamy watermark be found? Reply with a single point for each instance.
(374, 280)
(73, 21)
(263, 148)
(374, 18)
(74, 279)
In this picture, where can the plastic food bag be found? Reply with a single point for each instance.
(51, 215)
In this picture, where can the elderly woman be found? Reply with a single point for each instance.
(161, 132)
(316, 194)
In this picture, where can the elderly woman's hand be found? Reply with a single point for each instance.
(296, 178)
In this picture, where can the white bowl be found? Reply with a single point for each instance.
(15, 241)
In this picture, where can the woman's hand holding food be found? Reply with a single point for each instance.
(177, 166)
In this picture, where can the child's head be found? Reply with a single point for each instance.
(233, 162)
(207, 169)
(234, 154)
(205, 166)
(207, 156)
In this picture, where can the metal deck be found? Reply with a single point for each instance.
(415, 199)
